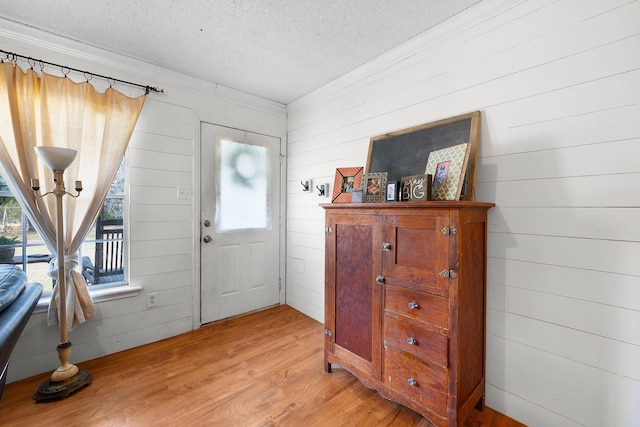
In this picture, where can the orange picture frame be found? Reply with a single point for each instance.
(347, 180)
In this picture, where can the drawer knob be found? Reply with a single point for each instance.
(412, 382)
(412, 341)
(386, 246)
(413, 305)
(380, 280)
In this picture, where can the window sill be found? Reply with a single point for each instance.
(97, 296)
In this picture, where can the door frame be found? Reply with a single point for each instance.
(199, 119)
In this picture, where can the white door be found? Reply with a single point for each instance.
(240, 222)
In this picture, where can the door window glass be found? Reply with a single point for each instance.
(242, 196)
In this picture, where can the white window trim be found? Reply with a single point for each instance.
(97, 296)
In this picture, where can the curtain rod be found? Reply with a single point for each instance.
(11, 56)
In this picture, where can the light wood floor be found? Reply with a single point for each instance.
(263, 369)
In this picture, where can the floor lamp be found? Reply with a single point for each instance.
(67, 378)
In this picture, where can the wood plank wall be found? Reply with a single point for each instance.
(558, 84)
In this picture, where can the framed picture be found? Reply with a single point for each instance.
(405, 152)
(347, 179)
(392, 191)
(415, 188)
(373, 186)
(447, 167)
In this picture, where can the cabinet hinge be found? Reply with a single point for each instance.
(448, 274)
(327, 229)
(327, 332)
(449, 231)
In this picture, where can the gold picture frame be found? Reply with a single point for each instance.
(447, 167)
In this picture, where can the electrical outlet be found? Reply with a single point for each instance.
(184, 192)
(152, 299)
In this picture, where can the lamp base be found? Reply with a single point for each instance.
(50, 390)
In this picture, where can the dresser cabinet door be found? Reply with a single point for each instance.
(353, 298)
(416, 251)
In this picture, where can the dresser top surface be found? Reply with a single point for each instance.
(410, 205)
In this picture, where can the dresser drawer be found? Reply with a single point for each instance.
(423, 383)
(417, 305)
(428, 346)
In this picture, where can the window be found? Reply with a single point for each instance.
(243, 197)
(102, 252)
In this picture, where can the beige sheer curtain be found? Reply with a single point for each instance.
(55, 111)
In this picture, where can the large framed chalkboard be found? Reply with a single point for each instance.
(405, 152)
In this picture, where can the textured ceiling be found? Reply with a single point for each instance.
(277, 49)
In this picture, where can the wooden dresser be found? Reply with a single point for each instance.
(405, 302)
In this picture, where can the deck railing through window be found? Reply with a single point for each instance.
(108, 263)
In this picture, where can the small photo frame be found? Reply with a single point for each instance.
(392, 191)
(374, 186)
(415, 188)
(442, 173)
(448, 167)
(347, 179)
